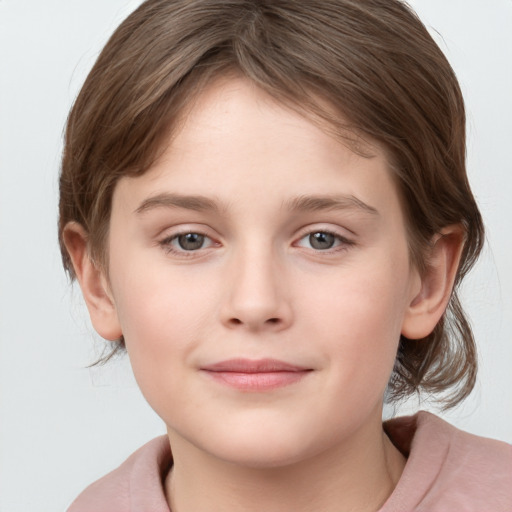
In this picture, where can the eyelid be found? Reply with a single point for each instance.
(172, 234)
(166, 242)
(345, 241)
(183, 228)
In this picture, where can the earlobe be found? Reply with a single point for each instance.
(429, 304)
(93, 283)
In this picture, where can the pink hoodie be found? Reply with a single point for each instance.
(447, 470)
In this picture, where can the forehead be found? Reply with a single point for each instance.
(241, 146)
(256, 112)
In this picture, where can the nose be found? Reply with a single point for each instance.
(256, 297)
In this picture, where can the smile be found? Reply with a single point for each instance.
(255, 375)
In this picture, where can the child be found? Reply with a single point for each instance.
(266, 203)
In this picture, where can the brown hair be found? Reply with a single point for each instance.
(374, 64)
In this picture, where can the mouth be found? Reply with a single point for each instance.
(255, 375)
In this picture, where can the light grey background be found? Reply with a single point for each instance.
(63, 425)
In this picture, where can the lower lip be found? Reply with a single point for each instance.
(264, 381)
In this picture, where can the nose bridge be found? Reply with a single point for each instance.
(256, 297)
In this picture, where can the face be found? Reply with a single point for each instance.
(260, 274)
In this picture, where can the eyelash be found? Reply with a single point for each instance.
(166, 244)
(343, 242)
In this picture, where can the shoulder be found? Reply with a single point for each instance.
(137, 484)
(413, 433)
(449, 469)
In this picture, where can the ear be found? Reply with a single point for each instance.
(93, 283)
(429, 304)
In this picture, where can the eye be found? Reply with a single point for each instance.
(190, 241)
(323, 241)
(186, 242)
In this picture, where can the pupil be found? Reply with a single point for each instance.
(321, 240)
(191, 241)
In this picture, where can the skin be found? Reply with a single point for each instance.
(258, 288)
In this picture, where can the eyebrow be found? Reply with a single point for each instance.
(303, 203)
(319, 203)
(197, 203)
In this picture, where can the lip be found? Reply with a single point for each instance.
(255, 375)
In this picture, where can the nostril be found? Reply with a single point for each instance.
(237, 321)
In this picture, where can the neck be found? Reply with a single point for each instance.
(357, 476)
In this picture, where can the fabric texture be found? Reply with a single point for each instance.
(447, 470)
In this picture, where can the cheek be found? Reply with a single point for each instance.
(358, 316)
(163, 316)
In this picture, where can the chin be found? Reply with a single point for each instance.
(261, 455)
(260, 445)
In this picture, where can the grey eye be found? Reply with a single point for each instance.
(191, 241)
(322, 240)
